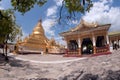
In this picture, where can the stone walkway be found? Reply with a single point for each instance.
(47, 58)
(104, 67)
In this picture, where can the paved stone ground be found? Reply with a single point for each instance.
(104, 67)
(45, 57)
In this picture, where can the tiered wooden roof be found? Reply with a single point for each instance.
(85, 27)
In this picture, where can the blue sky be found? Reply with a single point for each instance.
(103, 12)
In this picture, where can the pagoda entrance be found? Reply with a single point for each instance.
(100, 41)
(73, 45)
(102, 44)
(87, 46)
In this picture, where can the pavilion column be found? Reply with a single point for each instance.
(79, 45)
(94, 44)
(107, 39)
(67, 48)
(119, 43)
(67, 44)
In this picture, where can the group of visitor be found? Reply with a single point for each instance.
(115, 45)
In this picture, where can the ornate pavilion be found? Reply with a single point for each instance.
(87, 38)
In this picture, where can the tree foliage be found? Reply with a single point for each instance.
(71, 5)
(8, 27)
(78, 5)
(25, 5)
(74, 7)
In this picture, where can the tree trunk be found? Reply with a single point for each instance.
(3, 50)
(6, 57)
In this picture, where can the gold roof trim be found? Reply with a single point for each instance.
(83, 23)
(114, 33)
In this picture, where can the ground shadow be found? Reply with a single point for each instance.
(12, 62)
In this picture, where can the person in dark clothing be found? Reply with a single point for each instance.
(46, 50)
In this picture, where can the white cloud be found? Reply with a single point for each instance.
(75, 21)
(24, 35)
(1, 7)
(60, 40)
(103, 13)
(51, 11)
(58, 2)
(106, 1)
(5, 4)
(50, 21)
(47, 25)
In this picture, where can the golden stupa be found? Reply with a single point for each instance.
(37, 41)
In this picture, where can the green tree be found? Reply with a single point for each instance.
(25, 5)
(72, 6)
(8, 28)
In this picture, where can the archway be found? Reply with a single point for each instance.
(100, 42)
(87, 46)
(73, 45)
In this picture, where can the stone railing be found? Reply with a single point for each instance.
(102, 49)
(56, 50)
(72, 51)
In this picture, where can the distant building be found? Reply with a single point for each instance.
(114, 38)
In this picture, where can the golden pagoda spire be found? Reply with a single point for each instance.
(38, 28)
(40, 20)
